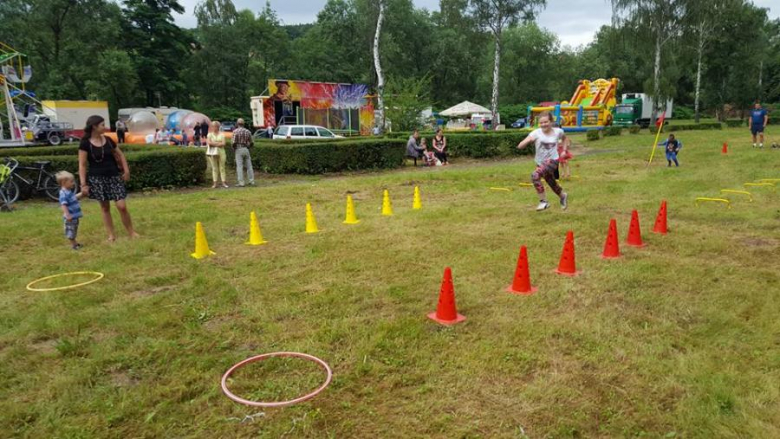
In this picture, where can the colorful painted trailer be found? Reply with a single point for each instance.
(343, 108)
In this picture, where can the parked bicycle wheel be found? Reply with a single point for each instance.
(10, 192)
(51, 188)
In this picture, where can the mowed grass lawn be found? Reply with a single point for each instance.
(677, 339)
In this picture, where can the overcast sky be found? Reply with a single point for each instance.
(574, 21)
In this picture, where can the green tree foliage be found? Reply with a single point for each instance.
(456, 47)
(159, 48)
(406, 98)
(495, 16)
(734, 57)
(131, 53)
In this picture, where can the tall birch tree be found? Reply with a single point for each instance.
(495, 16)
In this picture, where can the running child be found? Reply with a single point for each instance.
(546, 139)
(71, 209)
(672, 147)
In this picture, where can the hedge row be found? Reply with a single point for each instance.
(694, 126)
(275, 156)
(483, 145)
(70, 149)
(327, 156)
(148, 169)
(430, 134)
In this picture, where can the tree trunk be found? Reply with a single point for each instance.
(496, 77)
(698, 71)
(656, 79)
(380, 78)
(760, 78)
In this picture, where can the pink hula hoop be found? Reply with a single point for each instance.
(257, 358)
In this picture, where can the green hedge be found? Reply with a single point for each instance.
(693, 126)
(733, 123)
(594, 135)
(31, 151)
(481, 144)
(634, 129)
(429, 134)
(318, 157)
(613, 131)
(177, 167)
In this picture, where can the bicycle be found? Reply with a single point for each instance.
(9, 188)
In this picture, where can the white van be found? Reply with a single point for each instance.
(303, 132)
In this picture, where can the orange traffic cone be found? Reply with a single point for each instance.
(567, 266)
(611, 246)
(521, 284)
(725, 149)
(660, 220)
(446, 312)
(634, 233)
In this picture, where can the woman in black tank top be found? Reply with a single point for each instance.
(440, 147)
(103, 171)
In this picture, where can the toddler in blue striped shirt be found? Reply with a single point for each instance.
(71, 209)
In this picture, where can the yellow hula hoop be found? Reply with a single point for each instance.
(67, 287)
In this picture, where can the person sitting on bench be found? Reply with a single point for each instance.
(413, 150)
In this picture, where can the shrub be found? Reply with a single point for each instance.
(510, 113)
(594, 135)
(177, 167)
(613, 131)
(693, 126)
(634, 129)
(733, 123)
(681, 112)
(328, 156)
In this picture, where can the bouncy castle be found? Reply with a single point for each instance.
(590, 108)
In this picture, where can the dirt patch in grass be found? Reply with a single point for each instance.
(121, 378)
(759, 242)
(46, 347)
(216, 323)
(151, 291)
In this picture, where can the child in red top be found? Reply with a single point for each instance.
(564, 155)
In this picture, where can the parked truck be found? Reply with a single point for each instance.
(75, 113)
(39, 129)
(637, 109)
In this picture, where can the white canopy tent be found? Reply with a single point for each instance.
(465, 108)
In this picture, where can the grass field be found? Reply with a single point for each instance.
(677, 339)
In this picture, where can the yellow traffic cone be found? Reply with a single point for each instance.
(351, 217)
(311, 223)
(387, 207)
(417, 203)
(201, 245)
(255, 235)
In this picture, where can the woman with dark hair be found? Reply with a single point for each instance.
(440, 146)
(103, 168)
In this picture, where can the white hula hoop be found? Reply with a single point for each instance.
(262, 357)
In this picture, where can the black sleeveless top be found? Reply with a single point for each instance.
(101, 159)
